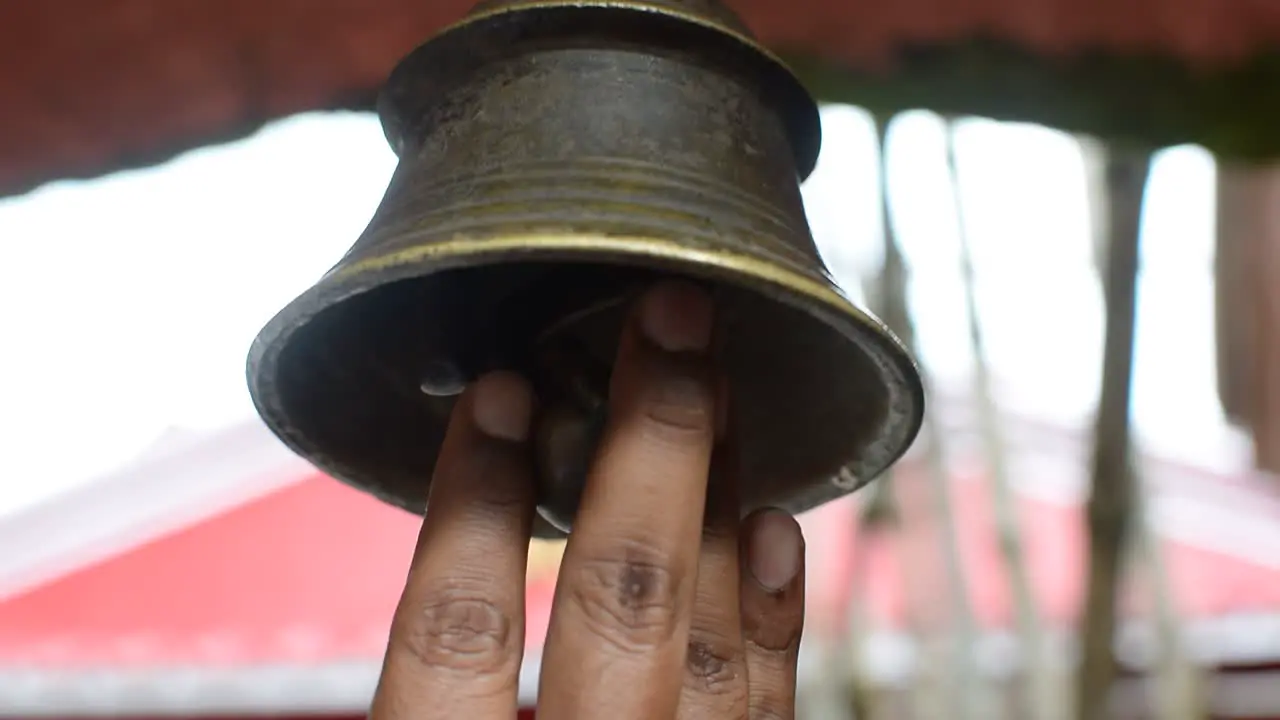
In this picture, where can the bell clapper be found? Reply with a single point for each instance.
(565, 440)
(573, 387)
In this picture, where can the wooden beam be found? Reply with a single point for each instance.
(1247, 288)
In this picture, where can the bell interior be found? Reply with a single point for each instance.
(808, 395)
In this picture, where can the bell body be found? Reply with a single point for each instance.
(554, 158)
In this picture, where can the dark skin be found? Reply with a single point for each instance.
(666, 606)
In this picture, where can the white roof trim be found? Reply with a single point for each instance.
(257, 690)
(161, 492)
(891, 656)
(336, 688)
(347, 687)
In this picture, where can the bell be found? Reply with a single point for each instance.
(556, 156)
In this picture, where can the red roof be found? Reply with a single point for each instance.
(299, 584)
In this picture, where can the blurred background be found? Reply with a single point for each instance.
(1071, 211)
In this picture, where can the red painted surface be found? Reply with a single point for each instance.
(312, 573)
(306, 572)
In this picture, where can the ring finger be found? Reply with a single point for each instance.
(772, 610)
(715, 684)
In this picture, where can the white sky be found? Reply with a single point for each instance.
(127, 303)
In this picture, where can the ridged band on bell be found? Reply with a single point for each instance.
(553, 157)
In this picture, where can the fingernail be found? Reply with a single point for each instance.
(677, 316)
(502, 406)
(773, 553)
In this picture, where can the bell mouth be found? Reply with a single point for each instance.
(825, 398)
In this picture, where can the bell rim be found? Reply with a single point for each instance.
(830, 307)
(799, 110)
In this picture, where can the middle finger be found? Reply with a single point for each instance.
(620, 624)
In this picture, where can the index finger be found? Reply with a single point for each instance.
(457, 637)
(620, 624)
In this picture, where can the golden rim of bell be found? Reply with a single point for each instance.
(637, 247)
(795, 288)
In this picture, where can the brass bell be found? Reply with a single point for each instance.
(554, 157)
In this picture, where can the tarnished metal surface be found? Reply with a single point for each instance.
(555, 157)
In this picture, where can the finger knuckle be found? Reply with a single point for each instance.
(454, 628)
(505, 492)
(630, 599)
(715, 667)
(771, 708)
(780, 639)
(775, 629)
(679, 409)
(720, 530)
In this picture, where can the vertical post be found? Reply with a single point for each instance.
(873, 519)
(966, 682)
(1178, 687)
(1248, 304)
(1110, 506)
(1043, 701)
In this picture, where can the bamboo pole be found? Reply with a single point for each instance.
(1043, 701)
(1110, 505)
(874, 518)
(1178, 686)
(1093, 154)
(969, 702)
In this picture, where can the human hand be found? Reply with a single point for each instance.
(666, 605)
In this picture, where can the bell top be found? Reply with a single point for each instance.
(493, 27)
